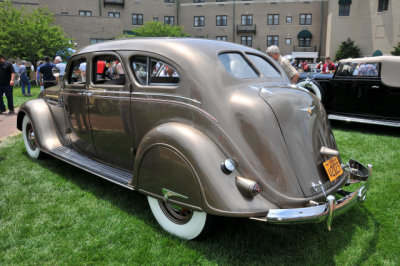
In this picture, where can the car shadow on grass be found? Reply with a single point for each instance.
(243, 241)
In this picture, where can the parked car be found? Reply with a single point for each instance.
(365, 90)
(218, 133)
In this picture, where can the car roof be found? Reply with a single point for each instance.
(390, 66)
(176, 45)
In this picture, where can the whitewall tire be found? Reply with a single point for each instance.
(311, 87)
(182, 223)
(28, 135)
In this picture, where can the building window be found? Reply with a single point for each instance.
(288, 19)
(222, 38)
(247, 40)
(113, 14)
(247, 20)
(273, 19)
(155, 19)
(222, 20)
(383, 5)
(305, 19)
(199, 1)
(344, 10)
(169, 20)
(64, 13)
(85, 13)
(169, 1)
(222, 0)
(199, 21)
(288, 41)
(305, 42)
(137, 19)
(272, 40)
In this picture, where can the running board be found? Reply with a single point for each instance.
(364, 120)
(102, 170)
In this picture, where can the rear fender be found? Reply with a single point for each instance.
(42, 121)
(181, 161)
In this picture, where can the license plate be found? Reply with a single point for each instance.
(333, 168)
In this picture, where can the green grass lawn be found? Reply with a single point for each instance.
(54, 213)
(20, 99)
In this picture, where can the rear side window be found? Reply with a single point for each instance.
(151, 71)
(77, 73)
(237, 66)
(264, 66)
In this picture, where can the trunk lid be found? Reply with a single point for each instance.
(305, 128)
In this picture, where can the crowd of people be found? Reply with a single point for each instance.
(18, 74)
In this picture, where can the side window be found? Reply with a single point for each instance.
(77, 73)
(367, 70)
(150, 71)
(346, 69)
(264, 66)
(107, 70)
(162, 73)
(237, 66)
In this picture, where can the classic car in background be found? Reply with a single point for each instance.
(365, 90)
(202, 128)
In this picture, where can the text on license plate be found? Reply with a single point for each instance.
(333, 168)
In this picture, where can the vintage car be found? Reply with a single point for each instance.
(365, 90)
(202, 128)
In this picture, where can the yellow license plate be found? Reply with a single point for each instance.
(333, 168)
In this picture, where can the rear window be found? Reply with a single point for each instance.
(264, 66)
(237, 66)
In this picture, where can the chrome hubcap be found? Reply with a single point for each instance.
(176, 213)
(30, 135)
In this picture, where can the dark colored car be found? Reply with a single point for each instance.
(365, 90)
(202, 128)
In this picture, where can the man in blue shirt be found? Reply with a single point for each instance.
(46, 73)
(24, 79)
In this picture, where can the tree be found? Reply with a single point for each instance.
(156, 29)
(396, 50)
(347, 49)
(30, 35)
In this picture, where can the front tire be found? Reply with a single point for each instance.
(183, 223)
(29, 137)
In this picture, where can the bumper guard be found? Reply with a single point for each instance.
(333, 207)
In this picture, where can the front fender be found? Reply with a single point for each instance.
(42, 121)
(182, 159)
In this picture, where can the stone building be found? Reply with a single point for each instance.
(303, 29)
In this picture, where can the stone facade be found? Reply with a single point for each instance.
(281, 21)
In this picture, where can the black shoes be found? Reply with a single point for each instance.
(11, 113)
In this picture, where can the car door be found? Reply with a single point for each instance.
(109, 110)
(76, 105)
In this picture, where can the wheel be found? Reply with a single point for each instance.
(312, 87)
(181, 222)
(28, 135)
(103, 106)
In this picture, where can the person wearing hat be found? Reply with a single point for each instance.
(291, 72)
(46, 73)
(24, 79)
(7, 75)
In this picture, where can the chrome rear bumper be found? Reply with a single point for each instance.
(325, 211)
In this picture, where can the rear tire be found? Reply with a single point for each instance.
(183, 223)
(29, 136)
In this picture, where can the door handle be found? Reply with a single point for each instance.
(375, 87)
